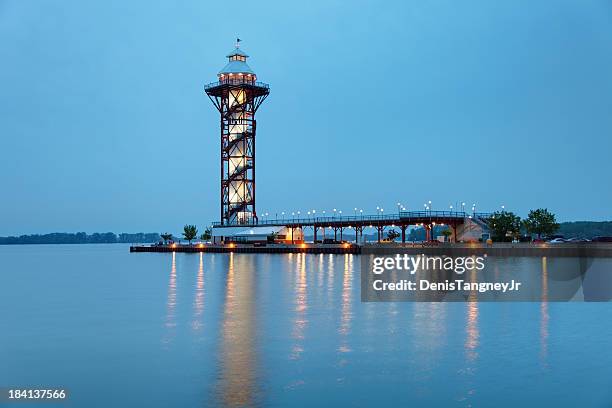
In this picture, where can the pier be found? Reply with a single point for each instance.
(357, 223)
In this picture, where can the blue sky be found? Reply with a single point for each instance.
(104, 125)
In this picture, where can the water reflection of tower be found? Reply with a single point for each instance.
(237, 95)
(237, 382)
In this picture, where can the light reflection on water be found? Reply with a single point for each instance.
(170, 321)
(544, 316)
(258, 330)
(300, 320)
(198, 303)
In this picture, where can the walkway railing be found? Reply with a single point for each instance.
(399, 218)
(236, 81)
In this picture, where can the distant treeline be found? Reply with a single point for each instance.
(81, 238)
(585, 229)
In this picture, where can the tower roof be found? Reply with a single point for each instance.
(237, 62)
(237, 51)
(237, 67)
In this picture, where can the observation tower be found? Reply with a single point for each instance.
(237, 95)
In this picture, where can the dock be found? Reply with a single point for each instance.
(595, 250)
(253, 249)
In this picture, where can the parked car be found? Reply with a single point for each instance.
(538, 241)
(577, 240)
(556, 241)
(330, 241)
(602, 239)
(555, 236)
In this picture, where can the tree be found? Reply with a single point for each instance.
(190, 232)
(166, 237)
(447, 233)
(504, 225)
(541, 222)
(207, 235)
(392, 235)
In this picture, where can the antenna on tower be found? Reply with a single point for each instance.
(238, 42)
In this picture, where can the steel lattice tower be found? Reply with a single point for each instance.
(237, 95)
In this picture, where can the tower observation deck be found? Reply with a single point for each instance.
(237, 95)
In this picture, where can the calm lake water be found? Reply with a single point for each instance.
(196, 330)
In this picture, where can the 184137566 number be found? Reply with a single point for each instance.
(15, 394)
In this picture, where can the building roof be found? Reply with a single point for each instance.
(236, 67)
(242, 232)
